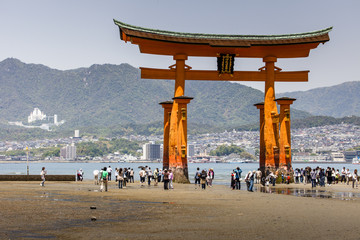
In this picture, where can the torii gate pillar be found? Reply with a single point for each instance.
(260, 106)
(285, 133)
(167, 113)
(271, 136)
(178, 125)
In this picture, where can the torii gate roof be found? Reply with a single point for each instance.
(162, 42)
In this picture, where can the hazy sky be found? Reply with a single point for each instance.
(68, 34)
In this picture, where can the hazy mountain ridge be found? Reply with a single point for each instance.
(337, 101)
(114, 97)
(114, 94)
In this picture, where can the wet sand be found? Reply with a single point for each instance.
(61, 210)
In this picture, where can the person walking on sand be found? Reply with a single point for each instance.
(109, 170)
(238, 172)
(132, 176)
(343, 175)
(142, 175)
(149, 176)
(328, 176)
(203, 176)
(171, 178)
(116, 174)
(210, 177)
(348, 176)
(104, 180)
(258, 176)
(42, 174)
(313, 178)
(96, 176)
(156, 176)
(120, 178)
(252, 176)
(197, 177)
(160, 174)
(322, 177)
(125, 176)
(355, 179)
(166, 180)
(232, 180)
(247, 180)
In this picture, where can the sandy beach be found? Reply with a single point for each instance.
(62, 210)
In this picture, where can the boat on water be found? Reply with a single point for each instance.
(356, 160)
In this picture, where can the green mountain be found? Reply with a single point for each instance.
(113, 95)
(337, 101)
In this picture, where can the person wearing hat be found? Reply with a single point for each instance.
(248, 180)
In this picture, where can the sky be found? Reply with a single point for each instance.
(68, 34)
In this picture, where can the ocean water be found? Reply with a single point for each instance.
(222, 170)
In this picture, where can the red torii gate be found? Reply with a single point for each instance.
(183, 45)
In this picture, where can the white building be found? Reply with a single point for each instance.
(68, 152)
(36, 115)
(151, 151)
(56, 119)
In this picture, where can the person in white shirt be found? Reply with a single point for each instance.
(149, 175)
(116, 174)
(343, 175)
(171, 177)
(132, 175)
(348, 176)
(142, 175)
(109, 170)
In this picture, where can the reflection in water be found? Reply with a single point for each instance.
(315, 193)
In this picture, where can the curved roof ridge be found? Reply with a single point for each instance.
(224, 36)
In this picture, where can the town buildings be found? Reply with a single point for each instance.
(326, 143)
(68, 152)
(151, 151)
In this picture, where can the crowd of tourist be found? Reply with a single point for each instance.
(320, 176)
(204, 178)
(124, 176)
(317, 177)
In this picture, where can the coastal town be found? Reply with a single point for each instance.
(333, 143)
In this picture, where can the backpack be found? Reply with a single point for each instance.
(237, 175)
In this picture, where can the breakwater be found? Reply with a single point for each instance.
(37, 178)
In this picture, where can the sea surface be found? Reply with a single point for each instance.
(222, 170)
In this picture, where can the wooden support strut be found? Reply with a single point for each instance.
(208, 75)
